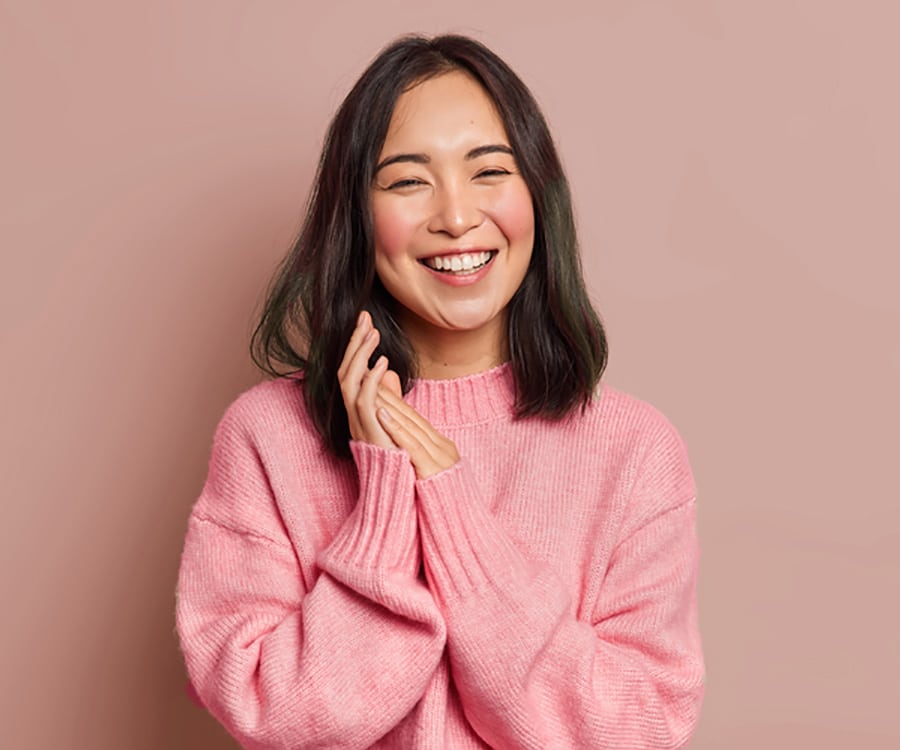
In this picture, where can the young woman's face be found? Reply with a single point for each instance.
(454, 223)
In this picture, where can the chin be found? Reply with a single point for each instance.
(464, 323)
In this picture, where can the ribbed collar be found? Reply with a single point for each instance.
(482, 397)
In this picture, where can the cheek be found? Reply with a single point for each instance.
(514, 214)
(393, 230)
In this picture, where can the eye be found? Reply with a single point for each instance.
(399, 184)
(493, 172)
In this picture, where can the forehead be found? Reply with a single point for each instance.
(449, 111)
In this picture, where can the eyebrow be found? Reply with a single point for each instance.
(491, 148)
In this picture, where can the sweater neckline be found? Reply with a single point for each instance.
(469, 399)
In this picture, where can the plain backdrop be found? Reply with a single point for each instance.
(736, 169)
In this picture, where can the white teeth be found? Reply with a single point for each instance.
(463, 262)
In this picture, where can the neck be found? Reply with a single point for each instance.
(443, 354)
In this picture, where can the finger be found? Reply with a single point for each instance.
(354, 376)
(368, 390)
(354, 367)
(358, 364)
(363, 324)
(391, 381)
(371, 429)
(428, 449)
(423, 461)
(402, 413)
(401, 409)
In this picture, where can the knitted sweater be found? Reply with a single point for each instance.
(541, 593)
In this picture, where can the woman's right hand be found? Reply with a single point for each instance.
(359, 384)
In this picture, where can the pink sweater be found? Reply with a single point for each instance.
(557, 607)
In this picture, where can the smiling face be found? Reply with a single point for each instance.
(453, 219)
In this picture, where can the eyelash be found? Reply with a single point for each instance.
(403, 184)
(496, 172)
(486, 173)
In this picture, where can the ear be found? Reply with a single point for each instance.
(391, 381)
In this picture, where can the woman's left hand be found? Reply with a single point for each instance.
(429, 450)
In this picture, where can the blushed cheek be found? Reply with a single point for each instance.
(514, 214)
(387, 238)
(392, 233)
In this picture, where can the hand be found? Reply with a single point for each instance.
(360, 385)
(429, 450)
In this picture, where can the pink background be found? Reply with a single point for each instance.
(735, 166)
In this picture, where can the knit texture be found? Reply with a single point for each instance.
(541, 593)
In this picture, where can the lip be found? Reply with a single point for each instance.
(468, 279)
(457, 251)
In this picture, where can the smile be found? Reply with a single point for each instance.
(461, 263)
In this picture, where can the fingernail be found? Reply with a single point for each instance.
(385, 415)
(359, 318)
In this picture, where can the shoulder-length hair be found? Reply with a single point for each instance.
(557, 345)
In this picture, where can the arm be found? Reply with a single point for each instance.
(282, 664)
(529, 673)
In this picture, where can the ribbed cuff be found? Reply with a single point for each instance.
(466, 549)
(380, 534)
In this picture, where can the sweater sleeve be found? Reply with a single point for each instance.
(532, 675)
(283, 664)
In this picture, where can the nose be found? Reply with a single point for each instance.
(455, 211)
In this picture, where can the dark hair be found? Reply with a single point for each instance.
(557, 343)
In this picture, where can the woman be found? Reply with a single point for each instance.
(439, 531)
